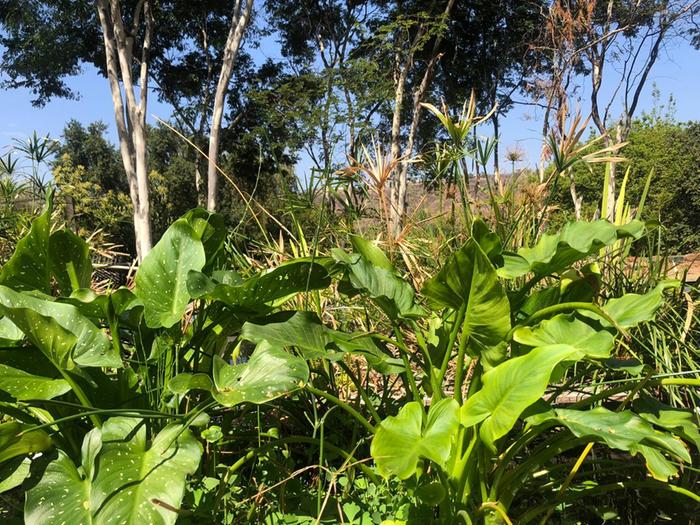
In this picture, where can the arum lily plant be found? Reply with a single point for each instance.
(103, 393)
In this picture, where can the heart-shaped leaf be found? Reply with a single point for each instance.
(632, 309)
(59, 330)
(161, 280)
(401, 440)
(625, 431)
(122, 479)
(567, 330)
(510, 388)
(304, 331)
(469, 280)
(574, 242)
(270, 373)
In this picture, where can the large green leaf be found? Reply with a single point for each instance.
(401, 440)
(161, 280)
(14, 443)
(65, 336)
(370, 272)
(62, 496)
(510, 388)
(22, 385)
(270, 373)
(28, 268)
(625, 431)
(70, 261)
(567, 329)
(469, 279)
(632, 309)
(304, 331)
(575, 241)
(682, 422)
(122, 479)
(257, 292)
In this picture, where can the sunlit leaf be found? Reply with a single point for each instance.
(401, 440)
(122, 479)
(567, 329)
(161, 280)
(304, 331)
(469, 279)
(575, 241)
(65, 336)
(510, 388)
(270, 373)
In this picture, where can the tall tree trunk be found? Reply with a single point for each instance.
(399, 197)
(399, 88)
(130, 119)
(578, 201)
(239, 22)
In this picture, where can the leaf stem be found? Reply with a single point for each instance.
(354, 413)
(451, 342)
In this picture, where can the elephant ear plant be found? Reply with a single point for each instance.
(513, 353)
(91, 433)
(502, 341)
(463, 392)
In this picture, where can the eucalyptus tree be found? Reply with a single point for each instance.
(131, 43)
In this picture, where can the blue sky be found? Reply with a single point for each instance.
(677, 72)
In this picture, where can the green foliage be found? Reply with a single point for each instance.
(122, 478)
(666, 151)
(469, 278)
(280, 387)
(402, 440)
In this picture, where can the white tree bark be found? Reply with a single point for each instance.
(239, 22)
(130, 119)
(400, 185)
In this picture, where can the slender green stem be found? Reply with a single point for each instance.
(680, 381)
(81, 397)
(361, 391)
(459, 367)
(345, 406)
(422, 345)
(451, 342)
